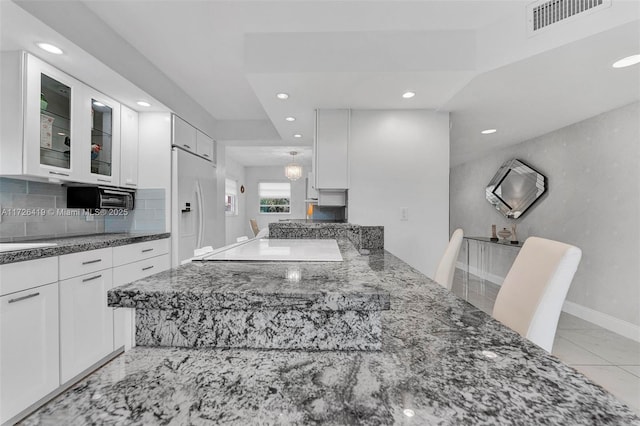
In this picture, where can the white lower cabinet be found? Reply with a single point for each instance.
(29, 368)
(124, 318)
(86, 322)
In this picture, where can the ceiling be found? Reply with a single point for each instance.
(265, 156)
(472, 58)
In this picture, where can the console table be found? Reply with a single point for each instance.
(483, 246)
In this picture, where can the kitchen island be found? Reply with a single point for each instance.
(442, 361)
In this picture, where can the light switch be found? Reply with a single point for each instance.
(404, 213)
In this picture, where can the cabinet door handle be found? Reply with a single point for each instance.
(147, 250)
(147, 268)
(206, 155)
(186, 146)
(95, 277)
(58, 173)
(88, 262)
(130, 184)
(28, 296)
(104, 180)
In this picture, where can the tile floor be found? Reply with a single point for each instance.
(607, 358)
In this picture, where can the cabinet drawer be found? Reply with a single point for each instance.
(24, 275)
(28, 348)
(139, 251)
(86, 322)
(135, 271)
(72, 265)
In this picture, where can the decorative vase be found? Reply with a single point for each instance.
(504, 233)
(43, 102)
(514, 237)
(494, 237)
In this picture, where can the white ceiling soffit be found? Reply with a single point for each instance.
(265, 156)
(544, 93)
(231, 57)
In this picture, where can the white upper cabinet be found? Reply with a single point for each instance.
(331, 152)
(100, 139)
(184, 134)
(205, 146)
(129, 141)
(53, 126)
(193, 140)
(52, 110)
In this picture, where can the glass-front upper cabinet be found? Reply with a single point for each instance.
(50, 121)
(103, 133)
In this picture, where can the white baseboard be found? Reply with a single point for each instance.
(618, 326)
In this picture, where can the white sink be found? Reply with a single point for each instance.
(23, 246)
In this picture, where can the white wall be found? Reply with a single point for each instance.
(253, 176)
(593, 202)
(237, 225)
(400, 159)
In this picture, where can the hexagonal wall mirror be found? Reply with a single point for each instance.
(515, 188)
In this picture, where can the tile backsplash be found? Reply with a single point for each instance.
(33, 210)
(147, 216)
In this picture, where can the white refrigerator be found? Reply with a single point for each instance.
(193, 204)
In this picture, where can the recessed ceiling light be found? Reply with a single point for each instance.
(282, 96)
(297, 135)
(488, 131)
(143, 103)
(408, 412)
(290, 119)
(98, 104)
(48, 47)
(627, 62)
(408, 95)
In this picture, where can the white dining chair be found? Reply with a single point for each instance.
(531, 297)
(447, 266)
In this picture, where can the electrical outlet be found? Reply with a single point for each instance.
(404, 213)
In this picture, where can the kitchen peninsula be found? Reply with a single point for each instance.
(441, 360)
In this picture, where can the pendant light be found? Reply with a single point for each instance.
(293, 170)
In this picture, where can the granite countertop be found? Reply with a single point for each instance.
(67, 245)
(432, 369)
(350, 284)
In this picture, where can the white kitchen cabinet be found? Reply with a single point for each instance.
(129, 141)
(184, 135)
(85, 262)
(331, 151)
(133, 262)
(205, 146)
(123, 318)
(29, 353)
(86, 322)
(54, 126)
(40, 111)
(100, 138)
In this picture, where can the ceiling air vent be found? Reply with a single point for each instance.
(542, 14)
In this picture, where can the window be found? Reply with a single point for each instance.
(275, 197)
(230, 197)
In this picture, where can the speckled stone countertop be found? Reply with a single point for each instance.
(431, 371)
(66, 245)
(347, 285)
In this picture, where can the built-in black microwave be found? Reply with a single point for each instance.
(100, 197)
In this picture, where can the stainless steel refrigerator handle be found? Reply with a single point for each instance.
(200, 214)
